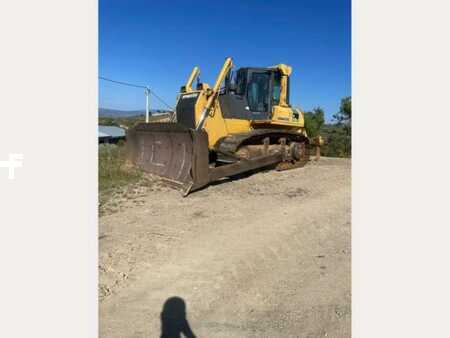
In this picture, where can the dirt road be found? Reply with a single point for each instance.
(263, 256)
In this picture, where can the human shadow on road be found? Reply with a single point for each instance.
(173, 319)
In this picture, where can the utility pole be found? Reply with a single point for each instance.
(147, 104)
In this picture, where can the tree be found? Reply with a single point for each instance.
(338, 135)
(314, 121)
(107, 121)
(344, 115)
(337, 141)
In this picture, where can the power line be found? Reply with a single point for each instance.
(122, 83)
(138, 86)
(161, 100)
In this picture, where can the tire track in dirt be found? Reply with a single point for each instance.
(261, 257)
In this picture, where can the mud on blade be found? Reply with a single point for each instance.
(171, 151)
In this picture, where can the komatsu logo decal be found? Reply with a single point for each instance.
(189, 96)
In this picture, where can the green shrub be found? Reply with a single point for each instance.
(314, 121)
(338, 134)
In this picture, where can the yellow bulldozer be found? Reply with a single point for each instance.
(244, 122)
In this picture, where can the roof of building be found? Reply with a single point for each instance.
(110, 131)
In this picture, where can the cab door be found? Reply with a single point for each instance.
(259, 87)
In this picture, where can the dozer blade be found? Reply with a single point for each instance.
(172, 151)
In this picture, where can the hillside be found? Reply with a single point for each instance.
(108, 112)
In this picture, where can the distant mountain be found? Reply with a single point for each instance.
(107, 112)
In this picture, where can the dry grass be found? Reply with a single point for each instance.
(113, 170)
(114, 176)
(120, 184)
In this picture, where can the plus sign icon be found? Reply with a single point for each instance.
(14, 161)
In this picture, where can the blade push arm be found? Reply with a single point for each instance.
(228, 64)
(194, 74)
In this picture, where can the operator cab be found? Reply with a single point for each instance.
(250, 93)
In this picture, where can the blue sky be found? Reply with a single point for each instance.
(157, 43)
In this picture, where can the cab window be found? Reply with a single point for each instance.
(258, 92)
(276, 92)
